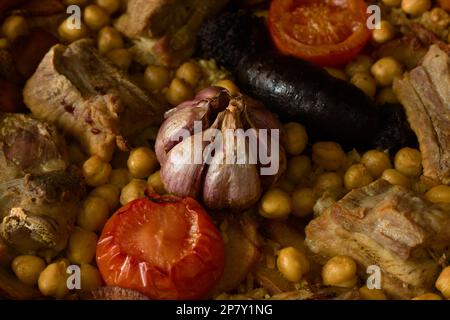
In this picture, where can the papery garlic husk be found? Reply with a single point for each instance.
(221, 184)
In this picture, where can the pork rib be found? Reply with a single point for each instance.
(387, 226)
(88, 98)
(425, 94)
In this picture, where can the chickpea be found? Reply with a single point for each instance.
(297, 168)
(296, 138)
(443, 282)
(396, 178)
(109, 39)
(386, 70)
(292, 264)
(94, 213)
(120, 58)
(303, 201)
(69, 34)
(119, 177)
(428, 296)
(275, 203)
(376, 162)
(439, 194)
(142, 162)
(66, 261)
(361, 63)
(81, 246)
(53, 280)
(229, 85)
(416, 7)
(132, 191)
(337, 73)
(392, 3)
(386, 95)
(14, 27)
(95, 17)
(156, 77)
(110, 6)
(409, 162)
(96, 171)
(339, 271)
(328, 155)
(178, 92)
(27, 268)
(371, 294)
(90, 277)
(328, 181)
(4, 43)
(357, 176)
(190, 73)
(383, 32)
(365, 82)
(108, 192)
(155, 183)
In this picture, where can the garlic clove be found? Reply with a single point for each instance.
(231, 180)
(182, 173)
(171, 131)
(235, 186)
(208, 93)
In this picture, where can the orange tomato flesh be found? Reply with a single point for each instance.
(325, 32)
(163, 246)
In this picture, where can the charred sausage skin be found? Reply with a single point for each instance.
(332, 109)
(296, 90)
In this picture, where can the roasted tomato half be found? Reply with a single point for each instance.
(325, 32)
(163, 246)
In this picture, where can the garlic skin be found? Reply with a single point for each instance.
(219, 182)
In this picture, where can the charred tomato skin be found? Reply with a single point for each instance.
(187, 266)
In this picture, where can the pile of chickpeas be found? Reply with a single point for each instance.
(326, 167)
(375, 78)
(182, 84)
(111, 185)
(330, 169)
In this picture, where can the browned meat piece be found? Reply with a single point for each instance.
(109, 293)
(39, 211)
(28, 145)
(88, 98)
(428, 38)
(28, 51)
(425, 94)
(42, 7)
(408, 50)
(388, 226)
(165, 30)
(319, 293)
(151, 18)
(242, 250)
